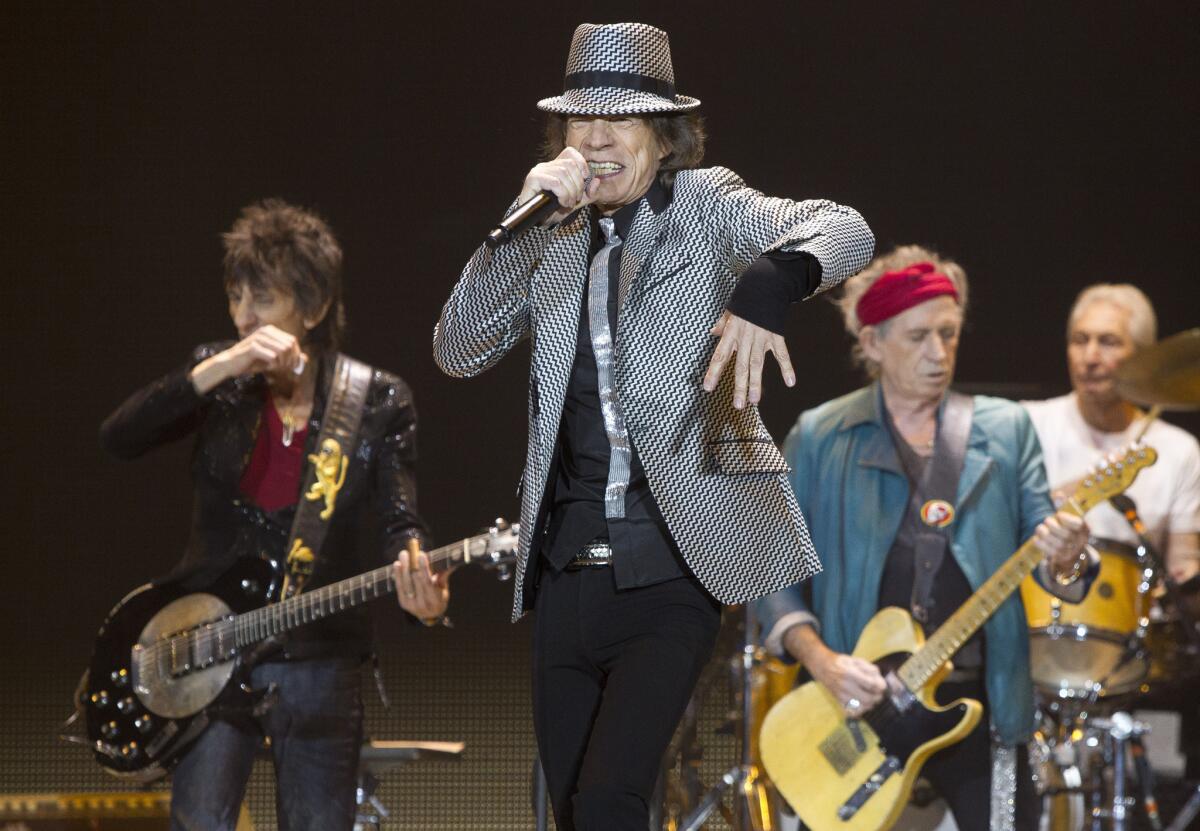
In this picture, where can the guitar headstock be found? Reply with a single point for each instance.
(1112, 476)
(501, 541)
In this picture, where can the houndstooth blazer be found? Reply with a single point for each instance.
(714, 471)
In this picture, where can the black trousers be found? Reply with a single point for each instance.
(962, 773)
(612, 673)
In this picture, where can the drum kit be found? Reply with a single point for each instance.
(1131, 644)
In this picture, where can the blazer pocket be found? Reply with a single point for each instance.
(740, 457)
(660, 273)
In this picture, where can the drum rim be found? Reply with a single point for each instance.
(1104, 635)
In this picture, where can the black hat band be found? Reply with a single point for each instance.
(621, 80)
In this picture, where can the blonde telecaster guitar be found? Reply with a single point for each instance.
(857, 774)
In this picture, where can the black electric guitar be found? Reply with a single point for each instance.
(164, 657)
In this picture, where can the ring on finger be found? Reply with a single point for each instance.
(853, 705)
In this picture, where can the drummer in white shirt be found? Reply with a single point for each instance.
(1108, 323)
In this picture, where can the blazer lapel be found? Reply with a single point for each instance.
(643, 239)
(560, 289)
(558, 284)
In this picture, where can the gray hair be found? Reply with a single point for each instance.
(1143, 325)
(898, 258)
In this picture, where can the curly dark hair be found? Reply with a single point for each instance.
(683, 132)
(294, 251)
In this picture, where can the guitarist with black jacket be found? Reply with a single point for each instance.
(915, 496)
(255, 409)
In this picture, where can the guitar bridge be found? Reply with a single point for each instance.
(874, 782)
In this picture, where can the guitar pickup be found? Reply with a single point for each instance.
(866, 790)
(844, 746)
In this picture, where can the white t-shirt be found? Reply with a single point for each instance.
(1167, 494)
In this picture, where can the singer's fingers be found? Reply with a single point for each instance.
(574, 179)
(572, 154)
(561, 180)
(572, 158)
(719, 327)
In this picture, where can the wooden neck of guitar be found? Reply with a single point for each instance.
(306, 607)
(960, 626)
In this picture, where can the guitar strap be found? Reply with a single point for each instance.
(937, 490)
(326, 473)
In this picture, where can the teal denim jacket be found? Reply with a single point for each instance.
(853, 491)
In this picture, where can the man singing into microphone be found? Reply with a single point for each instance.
(651, 494)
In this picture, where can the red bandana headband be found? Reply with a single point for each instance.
(898, 291)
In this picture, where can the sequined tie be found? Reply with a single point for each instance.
(602, 348)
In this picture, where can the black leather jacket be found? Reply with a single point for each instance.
(376, 508)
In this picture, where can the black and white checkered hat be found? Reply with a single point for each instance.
(618, 69)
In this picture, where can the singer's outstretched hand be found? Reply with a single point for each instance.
(751, 344)
(563, 176)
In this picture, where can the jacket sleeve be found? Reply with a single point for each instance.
(488, 310)
(836, 235)
(394, 486)
(163, 411)
(1031, 471)
(1036, 505)
(788, 607)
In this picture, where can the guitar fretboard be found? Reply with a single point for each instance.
(961, 625)
(957, 630)
(260, 624)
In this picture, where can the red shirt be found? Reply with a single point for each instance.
(271, 479)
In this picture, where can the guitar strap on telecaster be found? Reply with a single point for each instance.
(326, 472)
(937, 491)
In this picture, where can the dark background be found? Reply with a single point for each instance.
(1045, 146)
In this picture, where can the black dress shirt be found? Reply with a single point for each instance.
(950, 588)
(643, 551)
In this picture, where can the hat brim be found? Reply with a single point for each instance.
(614, 101)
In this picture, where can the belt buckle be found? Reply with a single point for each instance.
(592, 555)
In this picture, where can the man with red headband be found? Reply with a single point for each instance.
(914, 496)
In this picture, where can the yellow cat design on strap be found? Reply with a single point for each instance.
(329, 465)
(299, 568)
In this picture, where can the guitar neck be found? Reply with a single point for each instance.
(260, 624)
(1112, 477)
(960, 626)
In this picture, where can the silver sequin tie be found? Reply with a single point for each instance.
(602, 348)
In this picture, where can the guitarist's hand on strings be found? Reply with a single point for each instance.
(420, 593)
(858, 685)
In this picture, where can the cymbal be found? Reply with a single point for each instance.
(1166, 374)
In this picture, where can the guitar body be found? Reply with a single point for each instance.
(167, 658)
(144, 707)
(858, 774)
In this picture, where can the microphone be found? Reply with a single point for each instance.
(527, 213)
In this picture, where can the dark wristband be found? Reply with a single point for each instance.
(771, 284)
